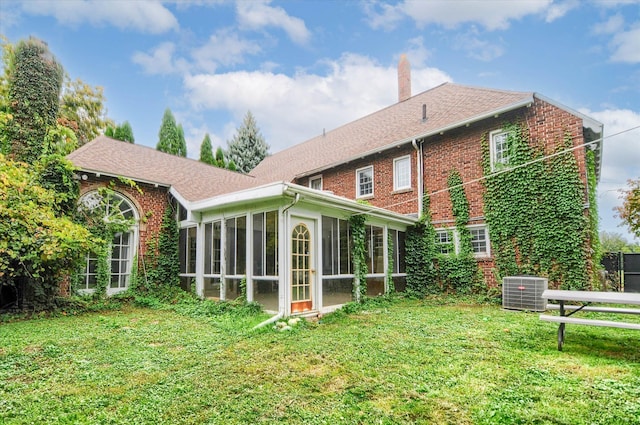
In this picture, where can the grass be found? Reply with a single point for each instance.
(430, 361)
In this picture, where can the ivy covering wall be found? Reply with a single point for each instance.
(420, 251)
(535, 213)
(458, 271)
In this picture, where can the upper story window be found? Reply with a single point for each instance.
(500, 148)
(364, 182)
(315, 182)
(402, 173)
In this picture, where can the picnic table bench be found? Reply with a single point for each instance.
(585, 299)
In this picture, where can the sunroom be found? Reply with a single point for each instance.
(289, 245)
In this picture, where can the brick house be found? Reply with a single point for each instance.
(284, 228)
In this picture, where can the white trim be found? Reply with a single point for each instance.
(366, 195)
(315, 178)
(134, 233)
(492, 146)
(485, 227)
(456, 239)
(406, 158)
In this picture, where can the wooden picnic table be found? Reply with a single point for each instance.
(585, 300)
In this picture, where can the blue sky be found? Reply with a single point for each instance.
(305, 66)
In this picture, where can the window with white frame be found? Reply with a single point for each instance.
(315, 182)
(479, 241)
(113, 207)
(374, 249)
(501, 144)
(447, 241)
(265, 244)
(364, 182)
(402, 173)
(187, 250)
(444, 241)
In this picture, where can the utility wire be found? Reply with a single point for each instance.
(506, 170)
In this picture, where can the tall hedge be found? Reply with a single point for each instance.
(34, 98)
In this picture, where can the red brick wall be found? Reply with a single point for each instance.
(459, 149)
(341, 181)
(151, 204)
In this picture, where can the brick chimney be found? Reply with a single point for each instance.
(404, 78)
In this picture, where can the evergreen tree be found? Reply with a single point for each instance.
(248, 147)
(182, 144)
(110, 132)
(35, 82)
(206, 151)
(220, 162)
(124, 132)
(168, 136)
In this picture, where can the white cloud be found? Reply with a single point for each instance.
(292, 109)
(223, 48)
(620, 160)
(477, 48)
(417, 52)
(142, 15)
(627, 46)
(159, 61)
(491, 14)
(256, 15)
(558, 10)
(612, 25)
(387, 18)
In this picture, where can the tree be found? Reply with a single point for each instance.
(615, 242)
(124, 132)
(34, 85)
(37, 243)
(182, 144)
(248, 147)
(629, 212)
(206, 151)
(82, 109)
(171, 136)
(220, 161)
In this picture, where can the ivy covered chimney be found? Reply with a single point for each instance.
(404, 78)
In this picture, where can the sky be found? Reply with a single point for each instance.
(302, 67)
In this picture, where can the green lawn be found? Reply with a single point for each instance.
(429, 361)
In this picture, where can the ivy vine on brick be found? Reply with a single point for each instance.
(420, 251)
(535, 212)
(459, 271)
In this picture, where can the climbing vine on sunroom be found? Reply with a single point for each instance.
(535, 212)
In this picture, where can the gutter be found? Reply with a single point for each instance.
(521, 103)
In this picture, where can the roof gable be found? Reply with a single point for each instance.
(447, 106)
(193, 180)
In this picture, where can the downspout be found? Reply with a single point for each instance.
(270, 320)
(420, 170)
(280, 314)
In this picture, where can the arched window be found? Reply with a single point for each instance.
(112, 207)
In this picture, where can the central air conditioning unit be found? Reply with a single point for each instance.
(524, 293)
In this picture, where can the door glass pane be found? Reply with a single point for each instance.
(300, 262)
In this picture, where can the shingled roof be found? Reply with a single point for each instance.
(192, 179)
(447, 106)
